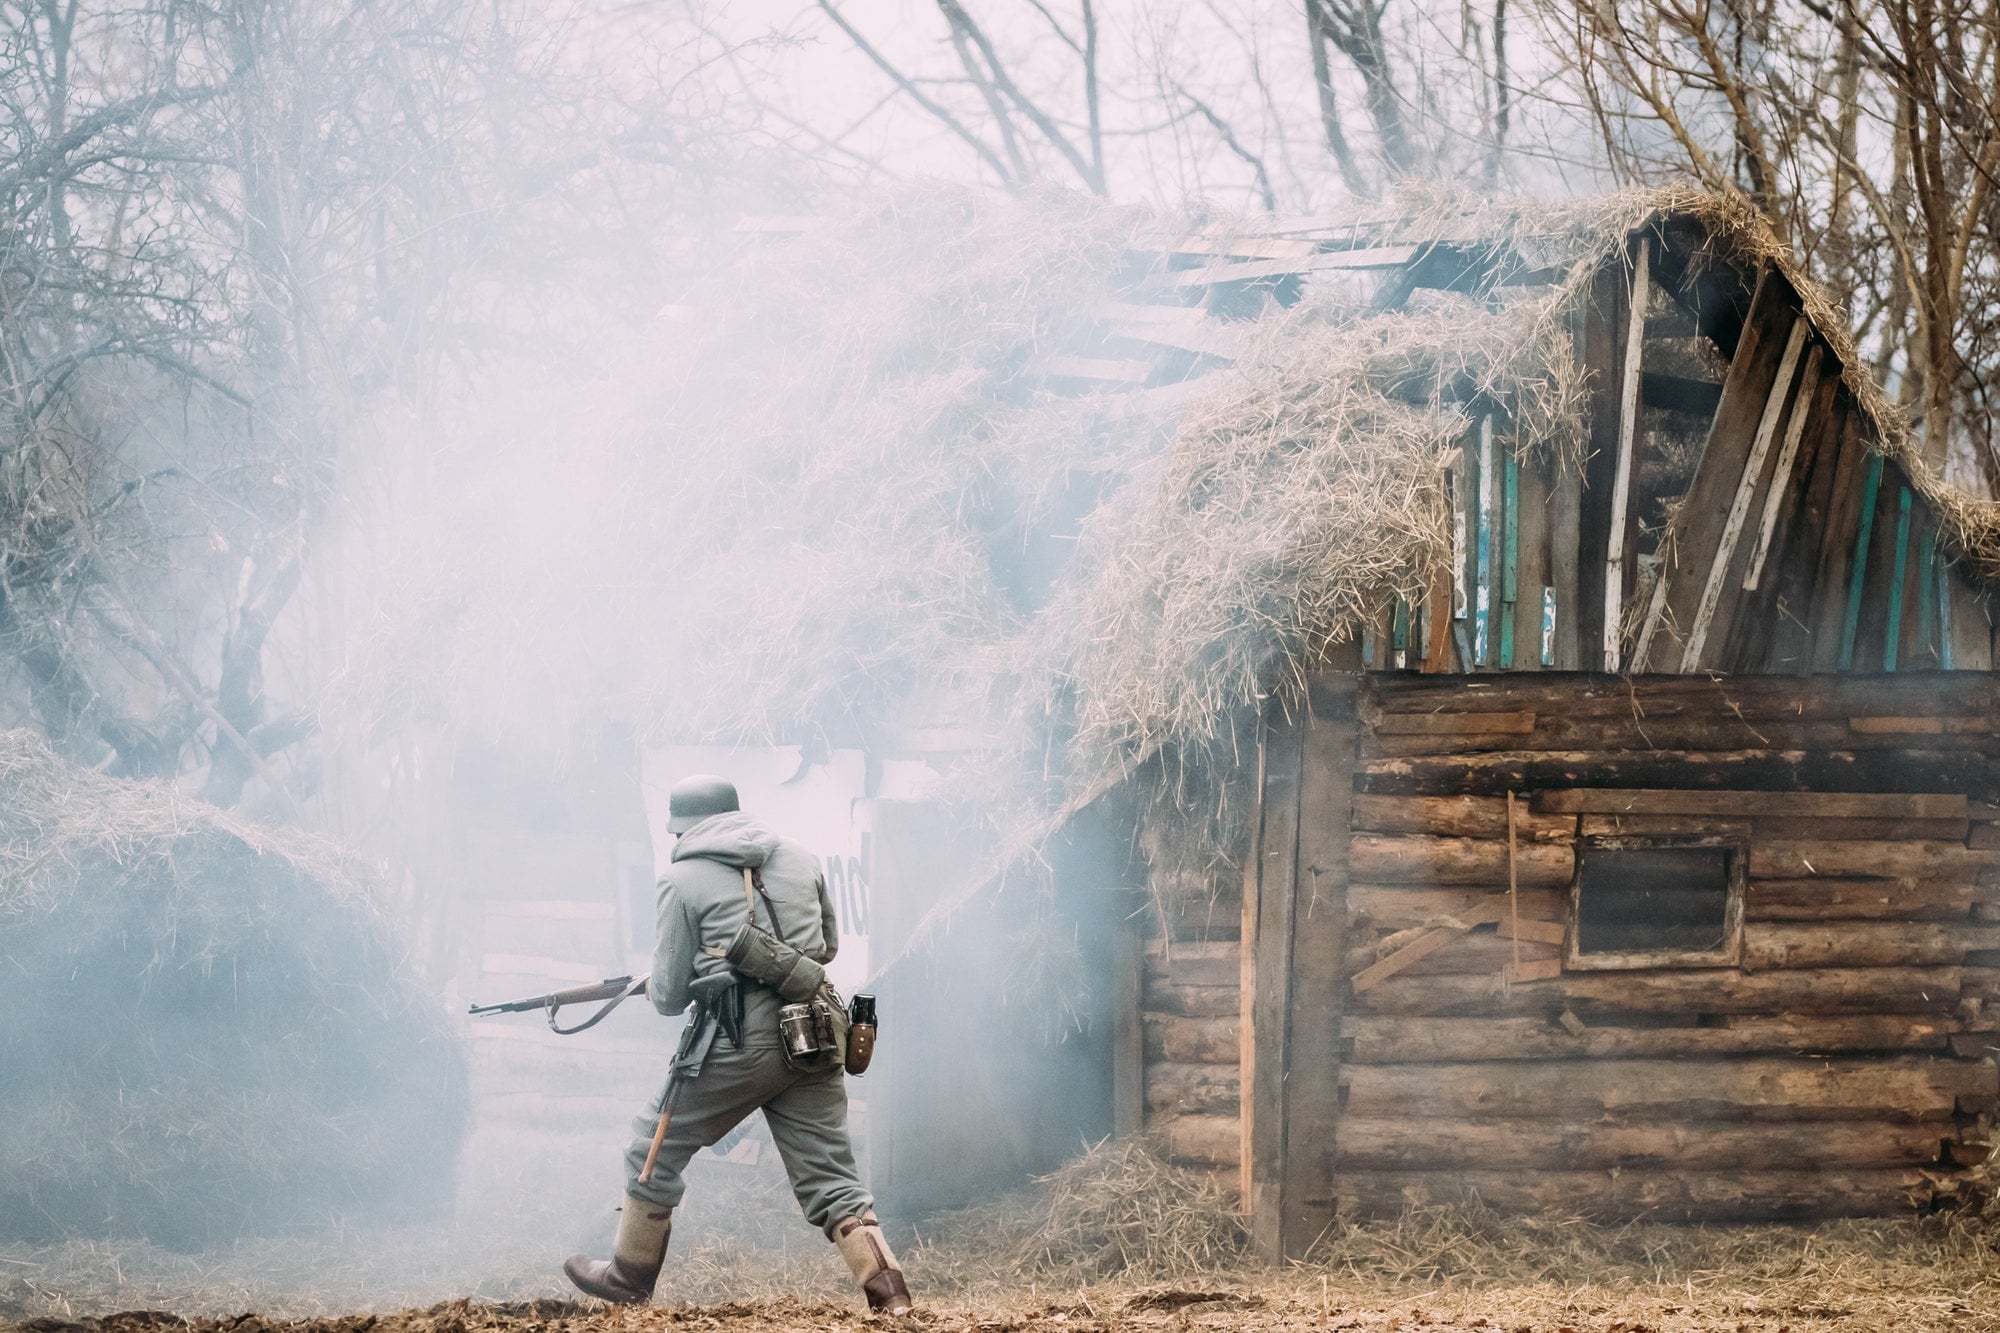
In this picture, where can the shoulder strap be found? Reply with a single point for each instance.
(753, 889)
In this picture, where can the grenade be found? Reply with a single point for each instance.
(860, 1033)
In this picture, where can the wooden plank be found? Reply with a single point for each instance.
(1248, 948)
(1436, 619)
(1564, 540)
(1128, 1037)
(1776, 626)
(1212, 339)
(1619, 534)
(1456, 816)
(1209, 1140)
(1892, 634)
(1438, 1144)
(1782, 481)
(1485, 606)
(1277, 888)
(1687, 730)
(1452, 724)
(1400, 907)
(1692, 539)
(1601, 354)
(1193, 1041)
(1836, 545)
(1857, 579)
(1901, 1088)
(1769, 944)
(1191, 1089)
(1718, 597)
(1530, 544)
(1677, 393)
(1424, 946)
(1914, 860)
(1668, 1196)
(1971, 632)
(1311, 1105)
(1858, 898)
(1887, 990)
(1378, 257)
(1824, 696)
(1098, 369)
(1480, 952)
(1740, 804)
(1418, 859)
(1510, 554)
(1493, 774)
(1540, 932)
(1192, 1001)
(1374, 1039)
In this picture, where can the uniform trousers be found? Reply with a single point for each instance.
(807, 1114)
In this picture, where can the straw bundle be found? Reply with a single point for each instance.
(211, 1029)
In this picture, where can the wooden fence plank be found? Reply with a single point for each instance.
(1270, 1007)
(1311, 1105)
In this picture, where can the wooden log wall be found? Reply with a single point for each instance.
(1843, 1068)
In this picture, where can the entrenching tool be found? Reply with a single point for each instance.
(716, 1006)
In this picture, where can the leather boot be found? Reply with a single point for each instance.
(634, 1267)
(874, 1264)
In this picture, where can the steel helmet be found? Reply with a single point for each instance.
(695, 798)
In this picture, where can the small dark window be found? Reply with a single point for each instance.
(1652, 902)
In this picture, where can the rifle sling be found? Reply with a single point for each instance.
(553, 1009)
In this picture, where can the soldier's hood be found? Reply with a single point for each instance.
(735, 839)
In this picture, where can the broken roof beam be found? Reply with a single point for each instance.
(1378, 257)
(1690, 546)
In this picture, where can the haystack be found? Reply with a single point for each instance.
(211, 1028)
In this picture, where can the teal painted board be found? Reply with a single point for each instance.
(1857, 577)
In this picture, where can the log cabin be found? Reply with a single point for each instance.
(1648, 862)
(1608, 673)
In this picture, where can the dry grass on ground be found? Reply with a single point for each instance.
(1116, 1241)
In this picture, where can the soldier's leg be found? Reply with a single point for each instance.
(731, 1085)
(808, 1123)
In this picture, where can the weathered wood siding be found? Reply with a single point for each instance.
(1843, 1067)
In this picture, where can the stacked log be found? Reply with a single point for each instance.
(1843, 1067)
(1194, 1035)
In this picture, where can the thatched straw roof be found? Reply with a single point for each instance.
(1092, 479)
(211, 1028)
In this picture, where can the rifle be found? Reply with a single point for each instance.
(614, 991)
(715, 1006)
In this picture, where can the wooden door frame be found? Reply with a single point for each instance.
(1295, 987)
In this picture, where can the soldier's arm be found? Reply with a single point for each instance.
(673, 957)
(829, 928)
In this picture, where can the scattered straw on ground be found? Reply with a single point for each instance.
(1119, 1240)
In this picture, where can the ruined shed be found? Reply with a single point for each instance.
(1608, 683)
(1646, 862)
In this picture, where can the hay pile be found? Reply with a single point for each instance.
(210, 1029)
(1121, 1209)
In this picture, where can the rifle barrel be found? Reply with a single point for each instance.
(606, 989)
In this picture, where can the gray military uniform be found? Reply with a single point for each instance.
(701, 907)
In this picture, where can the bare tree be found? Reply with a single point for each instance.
(1868, 133)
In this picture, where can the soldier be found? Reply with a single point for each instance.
(701, 908)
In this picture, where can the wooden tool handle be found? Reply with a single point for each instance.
(659, 1137)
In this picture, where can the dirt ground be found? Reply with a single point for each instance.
(1117, 1241)
(1438, 1275)
(1291, 1307)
